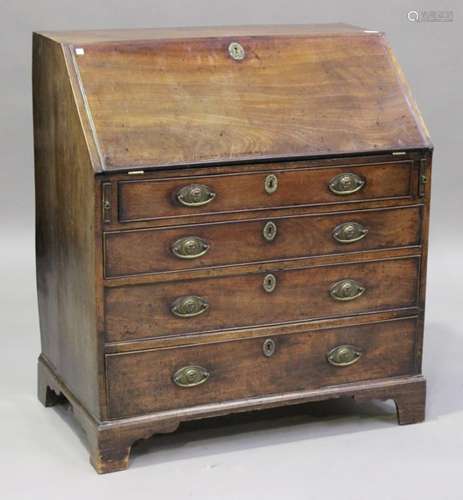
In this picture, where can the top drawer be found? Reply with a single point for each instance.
(150, 199)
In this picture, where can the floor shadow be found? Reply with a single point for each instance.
(443, 369)
(308, 421)
(264, 428)
(251, 429)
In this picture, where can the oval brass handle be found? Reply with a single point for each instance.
(189, 306)
(343, 184)
(269, 231)
(347, 289)
(344, 355)
(190, 247)
(195, 195)
(349, 232)
(190, 376)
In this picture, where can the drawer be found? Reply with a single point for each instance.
(154, 310)
(149, 381)
(141, 200)
(219, 244)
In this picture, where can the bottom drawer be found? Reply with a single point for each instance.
(165, 379)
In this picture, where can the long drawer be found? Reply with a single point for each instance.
(186, 307)
(296, 185)
(149, 381)
(229, 243)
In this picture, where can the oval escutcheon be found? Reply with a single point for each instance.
(271, 183)
(268, 348)
(270, 282)
(190, 376)
(269, 231)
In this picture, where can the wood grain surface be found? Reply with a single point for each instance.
(149, 251)
(137, 312)
(66, 228)
(163, 102)
(142, 382)
(122, 120)
(151, 199)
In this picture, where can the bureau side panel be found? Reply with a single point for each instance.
(425, 193)
(65, 228)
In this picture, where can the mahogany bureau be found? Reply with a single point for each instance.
(228, 219)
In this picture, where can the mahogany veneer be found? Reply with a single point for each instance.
(228, 219)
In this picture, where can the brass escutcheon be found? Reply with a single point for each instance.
(344, 355)
(190, 376)
(349, 232)
(189, 306)
(269, 283)
(268, 347)
(236, 51)
(269, 231)
(190, 247)
(347, 183)
(194, 195)
(271, 183)
(346, 290)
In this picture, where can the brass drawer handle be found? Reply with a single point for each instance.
(190, 247)
(344, 355)
(269, 231)
(347, 289)
(195, 195)
(344, 184)
(189, 306)
(271, 183)
(349, 232)
(190, 376)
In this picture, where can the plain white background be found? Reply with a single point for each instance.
(322, 451)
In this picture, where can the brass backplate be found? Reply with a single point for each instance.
(345, 184)
(194, 195)
(344, 355)
(189, 247)
(346, 290)
(190, 376)
(349, 232)
(189, 306)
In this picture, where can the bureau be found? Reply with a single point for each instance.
(227, 219)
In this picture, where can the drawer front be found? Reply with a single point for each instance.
(160, 250)
(193, 306)
(179, 197)
(166, 379)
